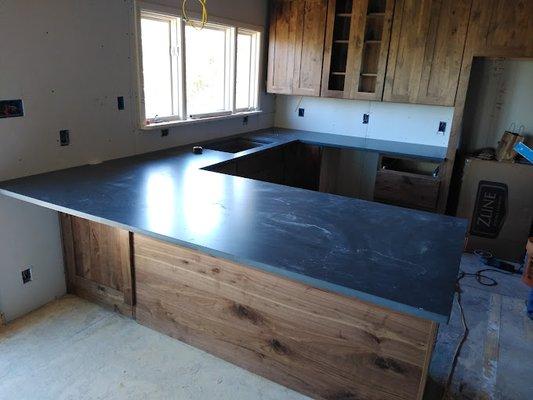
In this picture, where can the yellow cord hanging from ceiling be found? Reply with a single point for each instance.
(203, 17)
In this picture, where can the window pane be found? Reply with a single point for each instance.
(244, 70)
(155, 37)
(205, 69)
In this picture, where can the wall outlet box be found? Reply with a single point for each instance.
(64, 137)
(11, 108)
(26, 276)
(366, 118)
(120, 103)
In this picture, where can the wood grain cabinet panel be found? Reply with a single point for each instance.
(319, 343)
(426, 51)
(309, 47)
(501, 28)
(98, 262)
(296, 46)
(356, 49)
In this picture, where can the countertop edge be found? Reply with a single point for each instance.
(331, 287)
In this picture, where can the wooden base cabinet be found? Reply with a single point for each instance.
(98, 264)
(318, 343)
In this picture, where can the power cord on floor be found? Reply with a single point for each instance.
(461, 342)
(484, 280)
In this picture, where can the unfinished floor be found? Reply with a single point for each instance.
(72, 349)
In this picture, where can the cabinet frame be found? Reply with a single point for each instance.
(359, 19)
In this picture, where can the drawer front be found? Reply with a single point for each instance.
(407, 190)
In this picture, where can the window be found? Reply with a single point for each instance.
(216, 75)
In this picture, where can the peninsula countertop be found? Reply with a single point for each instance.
(394, 257)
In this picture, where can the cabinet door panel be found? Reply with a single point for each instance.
(510, 24)
(98, 253)
(296, 47)
(281, 47)
(309, 47)
(501, 28)
(442, 62)
(98, 262)
(408, 42)
(433, 31)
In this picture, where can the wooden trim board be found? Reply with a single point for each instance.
(318, 343)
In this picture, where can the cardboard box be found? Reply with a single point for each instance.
(497, 199)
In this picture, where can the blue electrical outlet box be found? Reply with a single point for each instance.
(11, 108)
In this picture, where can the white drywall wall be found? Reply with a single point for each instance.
(500, 94)
(69, 60)
(411, 123)
(29, 237)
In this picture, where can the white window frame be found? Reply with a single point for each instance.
(255, 55)
(178, 65)
(229, 73)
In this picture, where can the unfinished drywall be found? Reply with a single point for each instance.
(69, 60)
(499, 98)
(29, 238)
(410, 123)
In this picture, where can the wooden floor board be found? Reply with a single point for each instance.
(496, 360)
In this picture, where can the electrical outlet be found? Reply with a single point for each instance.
(26, 276)
(120, 102)
(245, 120)
(164, 132)
(366, 118)
(442, 128)
(64, 137)
(11, 108)
(301, 112)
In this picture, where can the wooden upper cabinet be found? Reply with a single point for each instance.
(426, 51)
(296, 46)
(357, 44)
(501, 28)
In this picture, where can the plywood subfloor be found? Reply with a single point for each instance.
(72, 349)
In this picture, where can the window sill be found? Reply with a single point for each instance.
(192, 121)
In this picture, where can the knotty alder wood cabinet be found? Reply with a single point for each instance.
(98, 264)
(426, 51)
(393, 50)
(357, 43)
(296, 46)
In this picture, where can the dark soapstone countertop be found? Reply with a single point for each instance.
(394, 257)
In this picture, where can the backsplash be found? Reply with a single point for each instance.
(411, 123)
